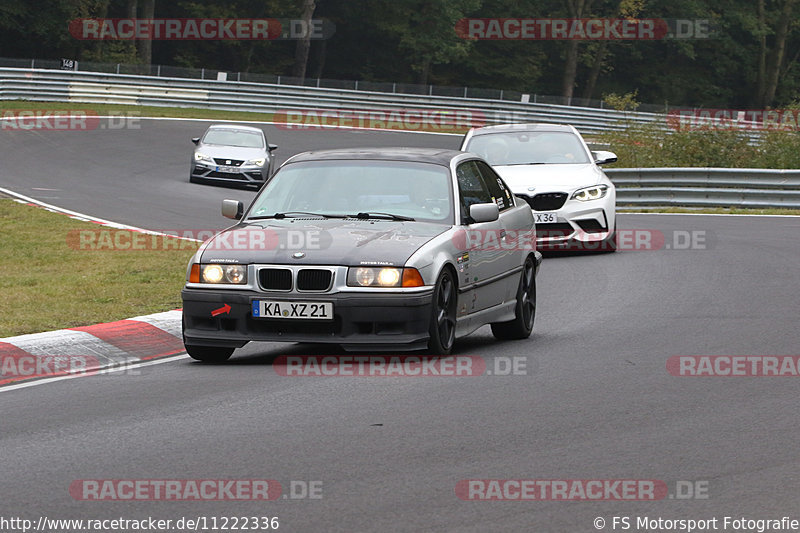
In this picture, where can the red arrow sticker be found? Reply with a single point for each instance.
(224, 310)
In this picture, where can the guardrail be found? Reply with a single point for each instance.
(97, 88)
(168, 71)
(707, 187)
(638, 187)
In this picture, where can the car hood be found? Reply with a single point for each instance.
(324, 242)
(230, 152)
(549, 177)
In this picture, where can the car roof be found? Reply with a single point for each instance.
(420, 155)
(502, 128)
(234, 127)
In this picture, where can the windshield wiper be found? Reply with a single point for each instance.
(295, 214)
(374, 214)
(531, 163)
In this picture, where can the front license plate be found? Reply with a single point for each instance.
(546, 217)
(281, 309)
(228, 170)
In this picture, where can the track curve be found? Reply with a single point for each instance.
(597, 401)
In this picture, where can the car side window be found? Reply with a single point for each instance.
(471, 187)
(497, 187)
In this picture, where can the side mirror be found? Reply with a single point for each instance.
(272, 147)
(488, 212)
(196, 140)
(602, 157)
(232, 209)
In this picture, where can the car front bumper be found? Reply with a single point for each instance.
(247, 176)
(579, 226)
(362, 321)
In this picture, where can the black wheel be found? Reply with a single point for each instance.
(443, 315)
(209, 354)
(522, 325)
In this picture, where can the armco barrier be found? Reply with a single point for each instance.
(99, 88)
(707, 187)
(638, 187)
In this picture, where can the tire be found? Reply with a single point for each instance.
(522, 325)
(209, 354)
(443, 315)
(192, 179)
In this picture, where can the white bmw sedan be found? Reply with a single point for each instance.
(551, 167)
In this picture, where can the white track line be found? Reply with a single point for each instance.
(89, 218)
(119, 368)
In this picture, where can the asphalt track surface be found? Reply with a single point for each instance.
(596, 402)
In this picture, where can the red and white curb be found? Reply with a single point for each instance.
(88, 350)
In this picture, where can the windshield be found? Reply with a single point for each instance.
(418, 190)
(239, 138)
(525, 148)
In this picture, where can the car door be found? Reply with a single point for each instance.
(483, 260)
(516, 236)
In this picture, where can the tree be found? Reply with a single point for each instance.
(304, 44)
(577, 9)
(146, 45)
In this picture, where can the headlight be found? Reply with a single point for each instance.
(256, 162)
(590, 193)
(234, 274)
(383, 277)
(202, 157)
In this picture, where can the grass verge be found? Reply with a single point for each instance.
(50, 281)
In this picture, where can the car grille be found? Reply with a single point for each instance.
(549, 201)
(229, 162)
(313, 279)
(557, 230)
(226, 175)
(275, 279)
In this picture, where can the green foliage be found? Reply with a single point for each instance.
(649, 145)
(750, 60)
(625, 102)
